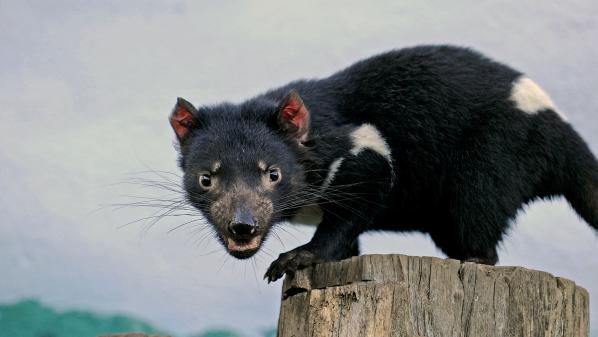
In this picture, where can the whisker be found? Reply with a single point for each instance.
(211, 252)
(181, 225)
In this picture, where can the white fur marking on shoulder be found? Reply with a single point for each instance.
(308, 215)
(530, 98)
(368, 137)
(332, 172)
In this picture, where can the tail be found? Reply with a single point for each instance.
(581, 180)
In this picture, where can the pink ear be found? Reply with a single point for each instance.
(182, 118)
(294, 116)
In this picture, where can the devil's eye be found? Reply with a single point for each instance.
(274, 174)
(205, 180)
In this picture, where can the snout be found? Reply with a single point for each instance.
(244, 237)
(243, 225)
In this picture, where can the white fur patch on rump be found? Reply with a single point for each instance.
(530, 98)
(368, 137)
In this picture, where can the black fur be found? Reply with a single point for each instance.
(464, 158)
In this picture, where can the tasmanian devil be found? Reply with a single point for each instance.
(436, 139)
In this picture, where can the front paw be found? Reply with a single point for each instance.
(290, 262)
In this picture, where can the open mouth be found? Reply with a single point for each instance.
(243, 249)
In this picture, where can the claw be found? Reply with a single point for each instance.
(290, 262)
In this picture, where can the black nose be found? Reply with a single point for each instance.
(240, 229)
(243, 225)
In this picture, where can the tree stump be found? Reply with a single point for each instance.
(397, 295)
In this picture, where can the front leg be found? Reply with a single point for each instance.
(350, 203)
(326, 245)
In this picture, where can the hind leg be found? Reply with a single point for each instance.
(479, 210)
(353, 251)
(465, 249)
(479, 230)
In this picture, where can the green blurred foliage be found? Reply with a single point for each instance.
(32, 319)
(218, 333)
(270, 333)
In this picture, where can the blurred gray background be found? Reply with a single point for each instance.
(86, 88)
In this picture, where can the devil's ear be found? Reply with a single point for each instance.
(293, 116)
(183, 118)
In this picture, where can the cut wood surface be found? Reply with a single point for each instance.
(397, 295)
